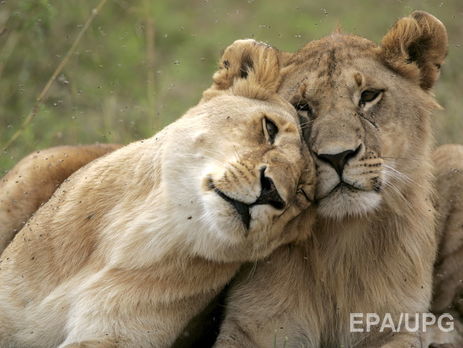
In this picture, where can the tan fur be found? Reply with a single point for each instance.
(373, 247)
(448, 160)
(416, 47)
(137, 242)
(237, 61)
(448, 272)
(34, 179)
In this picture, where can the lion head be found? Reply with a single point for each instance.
(242, 155)
(155, 229)
(365, 111)
(237, 160)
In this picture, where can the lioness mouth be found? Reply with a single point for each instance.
(240, 207)
(269, 195)
(340, 186)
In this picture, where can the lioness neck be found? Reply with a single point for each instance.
(375, 263)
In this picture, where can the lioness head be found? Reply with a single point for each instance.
(365, 111)
(249, 170)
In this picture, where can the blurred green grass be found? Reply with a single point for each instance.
(113, 90)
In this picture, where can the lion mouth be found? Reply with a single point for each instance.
(241, 208)
(345, 200)
(341, 188)
(269, 195)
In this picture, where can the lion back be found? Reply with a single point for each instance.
(35, 178)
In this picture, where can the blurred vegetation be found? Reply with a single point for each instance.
(142, 63)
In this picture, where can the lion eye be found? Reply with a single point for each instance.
(369, 95)
(270, 130)
(304, 107)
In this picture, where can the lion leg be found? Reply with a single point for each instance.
(448, 271)
(35, 178)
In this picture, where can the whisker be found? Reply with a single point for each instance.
(219, 161)
(369, 121)
(394, 173)
(399, 195)
(397, 174)
(253, 270)
(402, 158)
(302, 124)
(239, 157)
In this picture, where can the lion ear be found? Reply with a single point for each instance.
(415, 47)
(247, 62)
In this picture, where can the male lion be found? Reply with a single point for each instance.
(137, 242)
(373, 246)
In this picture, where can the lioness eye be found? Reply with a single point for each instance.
(303, 107)
(369, 95)
(270, 130)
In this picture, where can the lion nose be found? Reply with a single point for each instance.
(338, 160)
(269, 193)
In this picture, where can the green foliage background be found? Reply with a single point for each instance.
(104, 93)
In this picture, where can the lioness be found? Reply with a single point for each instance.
(373, 247)
(134, 244)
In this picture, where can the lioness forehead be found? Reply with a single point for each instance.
(321, 63)
(236, 108)
(333, 49)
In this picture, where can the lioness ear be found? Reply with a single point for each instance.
(247, 62)
(415, 47)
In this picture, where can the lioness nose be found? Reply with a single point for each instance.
(338, 160)
(269, 193)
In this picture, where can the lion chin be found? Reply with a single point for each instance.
(347, 201)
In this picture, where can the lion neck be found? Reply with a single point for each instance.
(377, 263)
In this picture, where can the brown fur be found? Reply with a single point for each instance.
(416, 48)
(372, 248)
(137, 242)
(34, 179)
